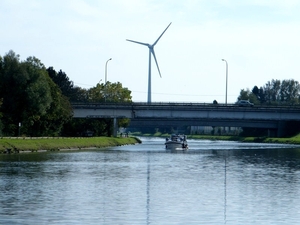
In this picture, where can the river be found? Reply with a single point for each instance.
(214, 182)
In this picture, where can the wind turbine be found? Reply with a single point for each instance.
(151, 51)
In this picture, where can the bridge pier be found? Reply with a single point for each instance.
(281, 131)
(272, 133)
(115, 131)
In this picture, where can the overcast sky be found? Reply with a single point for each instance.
(260, 39)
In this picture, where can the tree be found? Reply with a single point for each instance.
(58, 114)
(24, 90)
(271, 90)
(259, 94)
(101, 93)
(63, 82)
(255, 91)
(1, 99)
(29, 97)
(37, 90)
(282, 92)
(79, 95)
(247, 95)
(1, 124)
(73, 93)
(109, 92)
(289, 92)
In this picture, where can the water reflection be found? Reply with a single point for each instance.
(148, 188)
(225, 184)
(212, 183)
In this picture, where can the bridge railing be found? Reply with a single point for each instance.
(178, 104)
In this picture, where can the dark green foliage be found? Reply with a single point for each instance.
(248, 95)
(74, 94)
(1, 124)
(59, 113)
(259, 95)
(109, 92)
(274, 92)
(254, 132)
(80, 127)
(79, 95)
(30, 97)
(105, 93)
(61, 80)
(292, 128)
(35, 101)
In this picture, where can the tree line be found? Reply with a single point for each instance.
(274, 92)
(36, 101)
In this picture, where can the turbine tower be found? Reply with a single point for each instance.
(151, 51)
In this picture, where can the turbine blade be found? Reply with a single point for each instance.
(153, 53)
(137, 42)
(161, 35)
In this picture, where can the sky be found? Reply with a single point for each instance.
(259, 39)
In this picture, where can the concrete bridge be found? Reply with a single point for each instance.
(276, 119)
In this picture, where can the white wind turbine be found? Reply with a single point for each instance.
(151, 51)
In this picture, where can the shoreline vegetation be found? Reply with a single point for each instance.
(46, 144)
(290, 140)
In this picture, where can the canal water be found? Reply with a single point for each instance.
(214, 182)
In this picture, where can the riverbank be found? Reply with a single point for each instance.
(21, 145)
(291, 140)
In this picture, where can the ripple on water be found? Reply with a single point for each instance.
(144, 184)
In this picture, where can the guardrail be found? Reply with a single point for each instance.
(177, 104)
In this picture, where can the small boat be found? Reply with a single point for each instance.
(176, 142)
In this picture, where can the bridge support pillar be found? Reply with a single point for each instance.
(281, 131)
(272, 132)
(115, 132)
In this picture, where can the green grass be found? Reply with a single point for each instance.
(54, 144)
(290, 140)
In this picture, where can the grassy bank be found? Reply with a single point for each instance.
(55, 144)
(290, 140)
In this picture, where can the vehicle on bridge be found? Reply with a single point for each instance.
(245, 103)
(176, 142)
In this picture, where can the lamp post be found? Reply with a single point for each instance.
(226, 80)
(106, 78)
(106, 69)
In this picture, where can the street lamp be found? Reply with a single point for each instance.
(226, 79)
(106, 69)
(106, 78)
